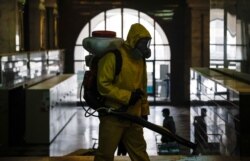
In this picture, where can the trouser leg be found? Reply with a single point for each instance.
(135, 143)
(109, 136)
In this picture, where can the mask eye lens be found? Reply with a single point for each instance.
(148, 43)
(143, 43)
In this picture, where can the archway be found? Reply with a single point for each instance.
(120, 20)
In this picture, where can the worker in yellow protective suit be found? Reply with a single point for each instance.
(126, 93)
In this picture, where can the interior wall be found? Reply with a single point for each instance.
(34, 25)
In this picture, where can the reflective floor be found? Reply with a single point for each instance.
(82, 132)
(126, 158)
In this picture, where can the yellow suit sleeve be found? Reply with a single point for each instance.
(105, 81)
(145, 105)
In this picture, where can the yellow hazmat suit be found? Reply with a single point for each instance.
(117, 92)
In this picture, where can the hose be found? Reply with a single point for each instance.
(159, 129)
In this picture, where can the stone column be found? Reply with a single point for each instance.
(199, 32)
(8, 12)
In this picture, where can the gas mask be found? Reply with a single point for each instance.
(141, 49)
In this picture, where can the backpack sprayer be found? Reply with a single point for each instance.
(98, 45)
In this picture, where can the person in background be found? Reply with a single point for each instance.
(125, 93)
(168, 122)
(200, 130)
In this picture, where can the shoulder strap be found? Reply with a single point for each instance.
(118, 62)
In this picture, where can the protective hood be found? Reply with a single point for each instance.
(136, 32)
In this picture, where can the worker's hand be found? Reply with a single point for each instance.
(135, 96)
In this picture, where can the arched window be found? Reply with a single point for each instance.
(120, 20)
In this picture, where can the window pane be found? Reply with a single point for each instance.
(160, 37)
(150, 77)
(231, 52)
(216, 63)
(113, 21)
(84, 33)
(79, 66)
(80, 53)
(148, 23)
(233, 65)
(162, 52)
(162, 69)
(231, 29)
(241, 52)
(97, 22)
(130, 17)
(231, 39)
(216, 52)
(162, 76)
(217, 32)
(236, 52)
(239, 32)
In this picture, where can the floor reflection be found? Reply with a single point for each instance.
(82, 131)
